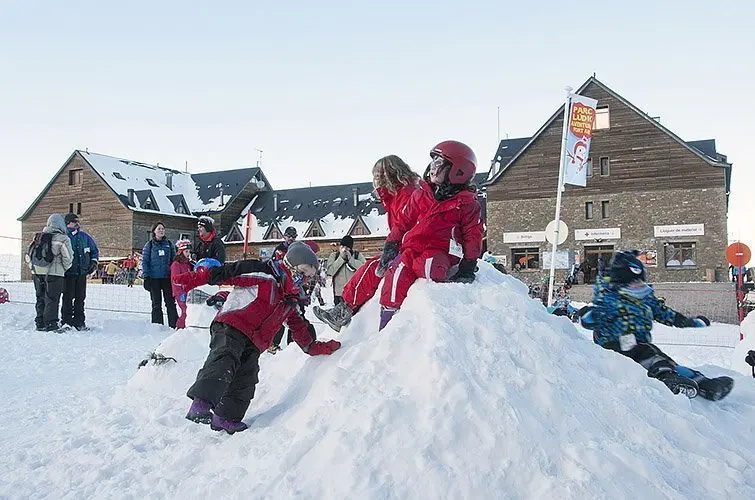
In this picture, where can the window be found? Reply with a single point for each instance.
(525, 258)
(680, 255)
(602, 118)
(78, 209)
(359, 230)
(185, 236)
(605, 165)
(70, 208)
(314, 231)
(588, 210)
(147, 204)
(589, 167)
(275, 234)
(117, 175)
(152, 183)
(75, 177)
(604, 209)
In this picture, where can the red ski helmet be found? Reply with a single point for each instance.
(462, 158)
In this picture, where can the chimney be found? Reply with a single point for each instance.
(355, 191)
(169, 180)
(275, 202)
(130, 194)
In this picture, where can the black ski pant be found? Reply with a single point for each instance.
(648, 355)
(159, 289)
(74, 294)
(230, 374)
(48, 289)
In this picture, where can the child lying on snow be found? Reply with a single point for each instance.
(264, 298)
(622, 321)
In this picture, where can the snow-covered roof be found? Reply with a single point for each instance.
(150, 188)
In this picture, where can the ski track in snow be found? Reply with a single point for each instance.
(472, 391)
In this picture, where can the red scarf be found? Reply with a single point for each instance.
(208, 237)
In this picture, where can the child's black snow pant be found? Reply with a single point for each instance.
(230, 373)
(655, 361)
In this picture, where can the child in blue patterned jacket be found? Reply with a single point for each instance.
(624, 308)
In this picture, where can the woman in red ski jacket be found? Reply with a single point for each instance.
(264, 297)
(394, 181)
(440, 227)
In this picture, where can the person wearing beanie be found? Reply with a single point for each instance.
(263, 298)
(624, 309)
(85, 262)
(209, 246)
(181, 264)
(289, 236)
(342, 265)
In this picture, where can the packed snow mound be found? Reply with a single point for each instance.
(472, 391)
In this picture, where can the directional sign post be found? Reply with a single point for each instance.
(738, 255)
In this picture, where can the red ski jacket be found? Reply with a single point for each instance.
(395, 203)
(453, 226)
(177, 269)
(259, 304)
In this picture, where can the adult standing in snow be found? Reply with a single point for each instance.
(342, 265)
(157, 255)
(601, 265)
(209, 246)
(244, 327)
(440, 229)
(289, 236)
(394, 181)
(49, 279)
(85, 257)
(622, 321)
(130, 266)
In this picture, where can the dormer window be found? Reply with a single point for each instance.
(151, 182)
(148, 204)
(118, 175)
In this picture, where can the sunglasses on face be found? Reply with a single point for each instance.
(438, 162)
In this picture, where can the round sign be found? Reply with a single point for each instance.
(550, 230)
(738, 254)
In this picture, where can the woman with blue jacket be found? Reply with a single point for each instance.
(157, 256)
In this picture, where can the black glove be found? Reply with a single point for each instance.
(465, 274)
(681, 321)
(147, 283)
(390, 252)
(92, 267)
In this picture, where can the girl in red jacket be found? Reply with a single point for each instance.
(181, 264)
(440, 228)
(394, 181)
(264, 297)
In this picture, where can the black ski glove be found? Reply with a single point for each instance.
(390, 252)
(147, 282)
(681, 321)
(92, 267)
(465, 274)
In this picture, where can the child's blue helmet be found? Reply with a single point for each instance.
(207, 263)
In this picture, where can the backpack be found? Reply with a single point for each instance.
(40, 250)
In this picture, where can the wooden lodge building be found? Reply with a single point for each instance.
(647, 189)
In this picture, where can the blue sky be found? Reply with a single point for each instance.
(326, 88)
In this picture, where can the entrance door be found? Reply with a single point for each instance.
(592, 254)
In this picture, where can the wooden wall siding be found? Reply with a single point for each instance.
(102, 214)
(642, 158)
(367, 246)
(174, 226)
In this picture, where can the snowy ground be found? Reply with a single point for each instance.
(473, 391)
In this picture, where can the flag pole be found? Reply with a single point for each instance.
(554, 243)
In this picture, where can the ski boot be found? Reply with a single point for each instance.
(677, 383)
(336, 318)
(230, 426)
(711, 389)
(200, 411)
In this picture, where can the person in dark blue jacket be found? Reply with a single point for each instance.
(157, 256)
(624, 308)
(85, 257)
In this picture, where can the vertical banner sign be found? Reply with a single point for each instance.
(578, 135)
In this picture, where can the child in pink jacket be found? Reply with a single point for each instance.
(181, 264)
